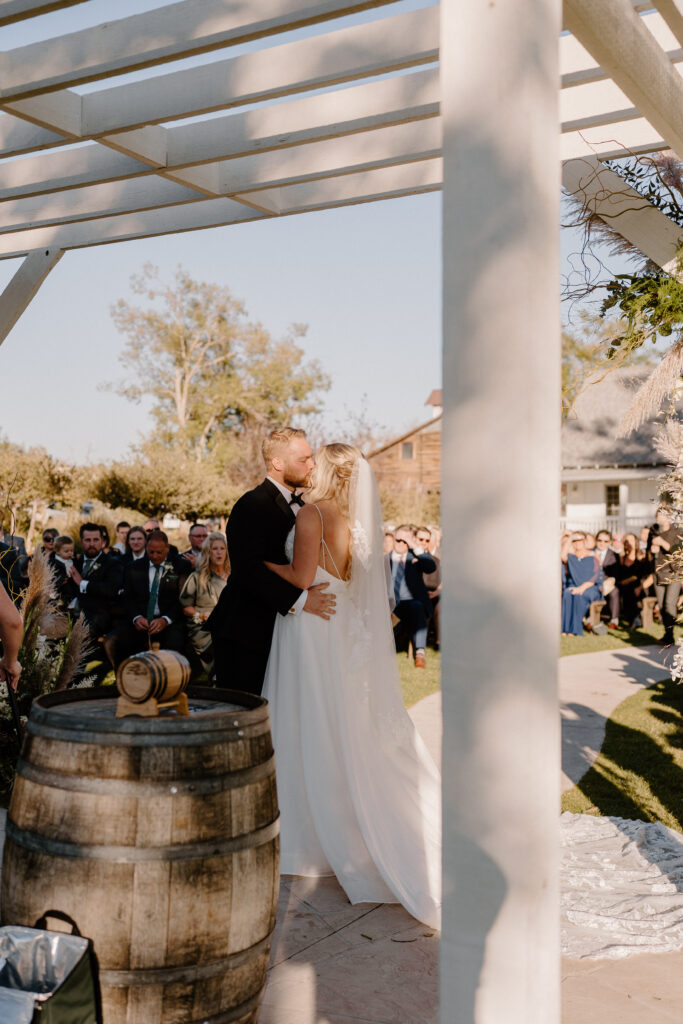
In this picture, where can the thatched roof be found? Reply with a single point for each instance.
(589, 434)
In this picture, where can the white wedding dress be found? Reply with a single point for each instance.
(359, 794)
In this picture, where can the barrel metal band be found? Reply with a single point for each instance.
(145, 787)
(135, 854)
(238, 1013)
(184, 975)
(70, 734)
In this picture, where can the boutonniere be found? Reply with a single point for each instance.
(95, 567)
(167, 570)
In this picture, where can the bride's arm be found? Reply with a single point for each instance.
(306, 550)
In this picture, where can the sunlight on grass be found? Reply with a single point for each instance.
(638, 773)
(417, 683)
(613, 639)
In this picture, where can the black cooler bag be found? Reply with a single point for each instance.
(45, 978)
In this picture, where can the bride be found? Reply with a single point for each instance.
(359, 794)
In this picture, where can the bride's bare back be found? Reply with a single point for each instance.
(335, 554)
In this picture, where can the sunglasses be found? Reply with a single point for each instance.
(400, 540)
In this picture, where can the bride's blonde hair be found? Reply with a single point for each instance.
(332, 475)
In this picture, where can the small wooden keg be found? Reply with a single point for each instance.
(159, 674)
(159, 838)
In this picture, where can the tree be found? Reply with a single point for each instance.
(218, 382)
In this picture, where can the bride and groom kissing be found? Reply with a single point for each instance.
(305, 619)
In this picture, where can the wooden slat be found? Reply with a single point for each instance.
(20, 10)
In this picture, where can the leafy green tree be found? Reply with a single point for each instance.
(217, 381)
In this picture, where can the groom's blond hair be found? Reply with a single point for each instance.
(276, 442)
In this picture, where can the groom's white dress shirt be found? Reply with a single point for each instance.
(298, 606)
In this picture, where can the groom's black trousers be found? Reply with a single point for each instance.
(239, 669)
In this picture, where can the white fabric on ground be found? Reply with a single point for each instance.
(622, 887)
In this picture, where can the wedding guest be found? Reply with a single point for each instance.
(14, 541)
(590, 541)
(105, 538)
(643, 538)
(607, 558)
(197, 535)
(432, 580)
(631, 578)
(412, 600)
(122, 529)
(136, 541)
(48, 545)
(151, 599)
(153, 526)
(98, 578)
(200, 595)
(11, 575)
(388, 543)
(63, 565)
(665, 540)
(582, 584)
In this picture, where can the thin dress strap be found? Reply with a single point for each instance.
(324, 545)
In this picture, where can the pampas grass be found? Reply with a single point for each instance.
(658, 386)
(77, 650)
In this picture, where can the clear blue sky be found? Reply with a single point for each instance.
(366, 279)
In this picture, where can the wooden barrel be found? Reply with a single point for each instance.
(159, 837)
(159, 674)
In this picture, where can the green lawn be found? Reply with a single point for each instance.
(612, 639)
(639, 770)
(417, 683)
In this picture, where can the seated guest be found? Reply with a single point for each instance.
(11, 573)
(122, 529)
(607, 558)
(151, 600)
(98, 578)
(432, 580)
(63, 565)
(388, 542)
(105, 538)
(412, 600)
(48, 545)
(200, 595)
(583, 579)
(153, 526)
(631, 577)
(197, 535)
(14, 541)
(136, 542)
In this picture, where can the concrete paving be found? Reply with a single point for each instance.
(374, 964)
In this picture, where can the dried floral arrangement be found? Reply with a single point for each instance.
(53, 652)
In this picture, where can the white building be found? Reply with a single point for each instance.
(609, 481)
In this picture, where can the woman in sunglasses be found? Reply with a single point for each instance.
(582, 581)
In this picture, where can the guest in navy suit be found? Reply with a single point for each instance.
(413, 605)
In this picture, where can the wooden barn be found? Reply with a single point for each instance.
(412, 462)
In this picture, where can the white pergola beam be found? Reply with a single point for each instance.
(23, 286)
(379, 184)
(397, 100)
(20, 10)
(612, 199)
(385, 147)
(672, 12)
(621, 44)
(165, 34)
(406, 40)
(612, 141)
(365, 187)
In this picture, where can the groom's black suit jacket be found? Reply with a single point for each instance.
(242, 622)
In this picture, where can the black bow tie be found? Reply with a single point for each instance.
(296, 499)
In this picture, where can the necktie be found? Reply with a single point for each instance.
(296, 499)
(154, 590)
(87, 562)
(398, 580)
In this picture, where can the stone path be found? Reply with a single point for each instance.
(337, 964)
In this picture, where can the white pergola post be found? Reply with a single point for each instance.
(501, 491)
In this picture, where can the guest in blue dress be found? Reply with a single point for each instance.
(582, 582)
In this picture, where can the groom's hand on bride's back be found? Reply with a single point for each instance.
(320, 603)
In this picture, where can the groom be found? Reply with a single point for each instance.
(242, 623)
